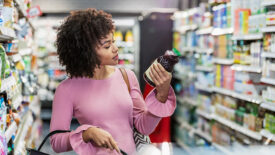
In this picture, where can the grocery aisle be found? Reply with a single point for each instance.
(224, 81)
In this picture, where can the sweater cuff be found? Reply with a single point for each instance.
(77, 141)
(159, 109)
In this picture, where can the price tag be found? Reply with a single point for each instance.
(34, 12)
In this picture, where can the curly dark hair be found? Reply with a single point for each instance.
(77, 38)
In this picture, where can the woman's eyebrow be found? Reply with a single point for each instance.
(108, 41)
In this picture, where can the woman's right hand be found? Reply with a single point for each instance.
(100, 137)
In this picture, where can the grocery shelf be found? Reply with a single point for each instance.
(237, 127)
(268, 81)
(204, 50)
(184, 124)
(222, 148)
(237, 95)
(190, 101)
(203, 88)
(178, 76)
(205, 68)
(267, 3)
(267, 134)
(220, 31)
(10, 131)
(26, 51)
(6, 34)
(17, 102)
(203, 135)
(246, 68)
(16, 57)
(268, 54)
(223, 61)
(189, 49)
(185, 147)
(183, 29)
(187, 100)
(268, 106)
(7, 83)
(268, 29)
(204, 31)
(204, 114)
(248, 37)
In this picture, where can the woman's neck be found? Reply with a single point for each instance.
(102, 72)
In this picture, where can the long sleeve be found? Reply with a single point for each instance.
(62, 113)
(147, 113)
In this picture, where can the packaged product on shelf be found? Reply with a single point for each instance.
(3, 117)
(168, 60)
(269, 94)
(3, 145)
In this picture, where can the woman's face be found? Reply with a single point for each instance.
(107, 51)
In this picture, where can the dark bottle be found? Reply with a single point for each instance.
(168, 60)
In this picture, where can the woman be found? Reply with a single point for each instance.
(96, 94)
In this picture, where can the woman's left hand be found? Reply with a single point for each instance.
(162, 80)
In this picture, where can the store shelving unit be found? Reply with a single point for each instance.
(219, 31)
(204, 114)
(237, 95)
(246, 68)
(205, 68)
(268, 81)
(203, 88)
(268, 54)
(237, 127)
(203, 31)
(269, 106)
(248, 37)
(203, 135)
(267, 3)
(268, 29)
(267, 135)
(223, 61)
(222, 148)
(202, 50)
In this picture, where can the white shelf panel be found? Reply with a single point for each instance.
(26, 51)
(184, 124)
(219, 31)
(204, 31)
(267, 134)
(16, 57)
(17, 102)
(204, 50)
(223, 61)
(189, 49)
(185, 147)
(203, 135)
(268, 54)
(268, 29)
(237, 127)
(187, 100)
(222, 148)
(205, 68)
(248, 37)
(7, 83)
(268, 106)
(237, 95)
(10, 131)
(186, 28)
(204, 114)
(203, 88)
(190, 101)
(268, 3)
(268, 81)
(6, 34)
(245, 68)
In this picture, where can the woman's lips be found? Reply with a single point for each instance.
(116, 57)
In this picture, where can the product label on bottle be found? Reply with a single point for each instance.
(148, 70)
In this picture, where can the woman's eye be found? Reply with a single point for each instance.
(107, 47)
